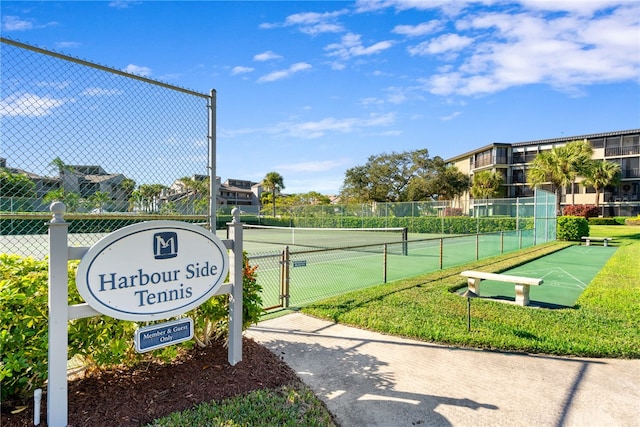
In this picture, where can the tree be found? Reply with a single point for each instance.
(16, 185)
(70, 199)
(198, 190)
(99, 199)
(403, 177)
(486, 184)
(600, 174)
(273, 183)
(580, 153)
(559, 167)
(444, 182)
(147, 196)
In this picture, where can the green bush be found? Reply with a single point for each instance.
(632, 221)
(603, 221)
(572, 228)
(99, 340)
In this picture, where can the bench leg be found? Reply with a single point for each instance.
(522, 294)
(474, 285)
(606, 242)
(587, 242)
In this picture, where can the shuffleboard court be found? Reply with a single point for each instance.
(566, 275)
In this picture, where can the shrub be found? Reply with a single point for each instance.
(632, 221)
(586, 211)
(100, 340)
(603, 221)
(572, 228)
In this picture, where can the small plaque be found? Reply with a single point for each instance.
(163, 334)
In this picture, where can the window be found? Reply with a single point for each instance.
(597, 143)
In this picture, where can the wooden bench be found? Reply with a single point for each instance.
(522, 284)
(588, 239)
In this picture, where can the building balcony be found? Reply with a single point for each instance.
(631, 150)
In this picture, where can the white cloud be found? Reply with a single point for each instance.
(123, 4)
(96, 91)
(139, 70)
(283, 74)
(15, 23)
(67, 45)
(564, 51)
(29, 105)
(312, 166)
(316, 129)
(240, 70)
(418, 30)
(351, 46)
(313, 23)
(266, 56)
(451, 116)
(443, 44)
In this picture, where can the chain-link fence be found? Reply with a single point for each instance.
(294, 275)
(116, 148)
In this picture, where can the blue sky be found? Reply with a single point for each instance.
(311, 89)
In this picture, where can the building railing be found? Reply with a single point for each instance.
(629, 150)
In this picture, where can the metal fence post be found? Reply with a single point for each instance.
(57, 404)
(213, 184)
(441, 251)
(287, 276)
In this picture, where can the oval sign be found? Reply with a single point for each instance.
(152, 270)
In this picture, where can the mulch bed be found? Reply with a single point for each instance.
(136, 396)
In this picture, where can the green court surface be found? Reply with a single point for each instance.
(566, 275)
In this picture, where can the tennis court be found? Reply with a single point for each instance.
(566, 275)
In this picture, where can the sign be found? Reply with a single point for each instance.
(152, 270)
(163, 334)
(300, 263)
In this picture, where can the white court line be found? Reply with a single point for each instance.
(580, 283)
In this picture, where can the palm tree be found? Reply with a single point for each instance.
(547, 167)
(273, 182)
(601, 174)
(486, 184)
(580, 153)
(559, 167)
(99, 199)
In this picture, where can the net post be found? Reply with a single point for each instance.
(384, 263)
(405, 241)
(477, 247)
(441, 251)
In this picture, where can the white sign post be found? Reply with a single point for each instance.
(143, 272)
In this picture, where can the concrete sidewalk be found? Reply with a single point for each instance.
(370, 379)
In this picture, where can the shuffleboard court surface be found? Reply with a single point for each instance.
(566, 274)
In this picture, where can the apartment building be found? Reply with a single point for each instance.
(512, 161)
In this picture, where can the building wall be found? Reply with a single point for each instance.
(513, 160)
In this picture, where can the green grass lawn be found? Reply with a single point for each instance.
(605, 322)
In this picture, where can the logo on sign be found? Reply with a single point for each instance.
(165, 245)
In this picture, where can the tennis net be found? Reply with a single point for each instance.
(323, 237)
